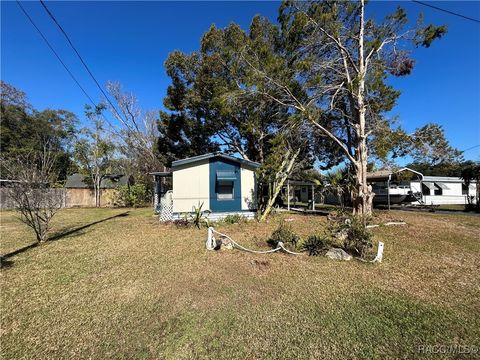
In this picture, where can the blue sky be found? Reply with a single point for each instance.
(129, 42)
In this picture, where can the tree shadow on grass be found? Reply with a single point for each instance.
(78, 230)
(65, 232)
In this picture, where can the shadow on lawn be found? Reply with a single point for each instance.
(75, 231)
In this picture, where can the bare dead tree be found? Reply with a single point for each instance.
(138, 135)
(32, 174)
(94, 152)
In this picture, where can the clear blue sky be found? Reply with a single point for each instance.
(129, 42)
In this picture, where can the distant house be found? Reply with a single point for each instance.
(221, 183)
(80, 193)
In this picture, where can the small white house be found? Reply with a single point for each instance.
(220, 183)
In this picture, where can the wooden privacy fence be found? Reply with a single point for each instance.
(70, 197)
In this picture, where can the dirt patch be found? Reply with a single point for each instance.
(260, 264)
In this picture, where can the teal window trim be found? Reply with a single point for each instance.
(225, 170)
(226, 175)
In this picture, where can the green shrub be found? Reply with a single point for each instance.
(349, 232)
(283, 233)
(358, 239)
(132, 196)
(199, 217)
(316, 245)
(235, 219)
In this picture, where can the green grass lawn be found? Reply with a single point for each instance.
(451, 207)
(130, 287)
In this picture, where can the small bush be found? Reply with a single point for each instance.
(235, 219)
(316, 245)
(199, 217)
(349, 232)
(283, 233)
(359, 239)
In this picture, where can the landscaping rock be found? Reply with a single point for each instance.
(338, 254)
(226, 244)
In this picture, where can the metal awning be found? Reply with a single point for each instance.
(226, 175)
(430, 185)
(161, 173)
(442, 185)
(299, 183)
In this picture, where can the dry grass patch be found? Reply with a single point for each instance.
(131, 287)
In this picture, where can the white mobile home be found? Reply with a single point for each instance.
(439, 190)
(220, 183)
(409, 186)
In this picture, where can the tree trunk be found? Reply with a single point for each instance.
(283, 174)
(362, 195)
(271, 201)
(96, 189)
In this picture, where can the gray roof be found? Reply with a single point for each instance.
(194, 159)
(112, 181)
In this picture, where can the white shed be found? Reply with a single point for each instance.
(220, 183)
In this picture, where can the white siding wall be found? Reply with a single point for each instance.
(191, 187)
(453, 189)
(444, 199)
(415, 186)
(249, 195)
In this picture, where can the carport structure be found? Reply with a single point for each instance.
(392, 184)
(303, 191)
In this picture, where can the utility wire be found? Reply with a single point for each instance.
(447, 11)
(471, 148)
(81, 59)
(63, 63)
(55, 53)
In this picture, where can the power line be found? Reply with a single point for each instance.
(63, 63)
(55, 53)
(447, 11)
(471, 148)
(80, 57)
